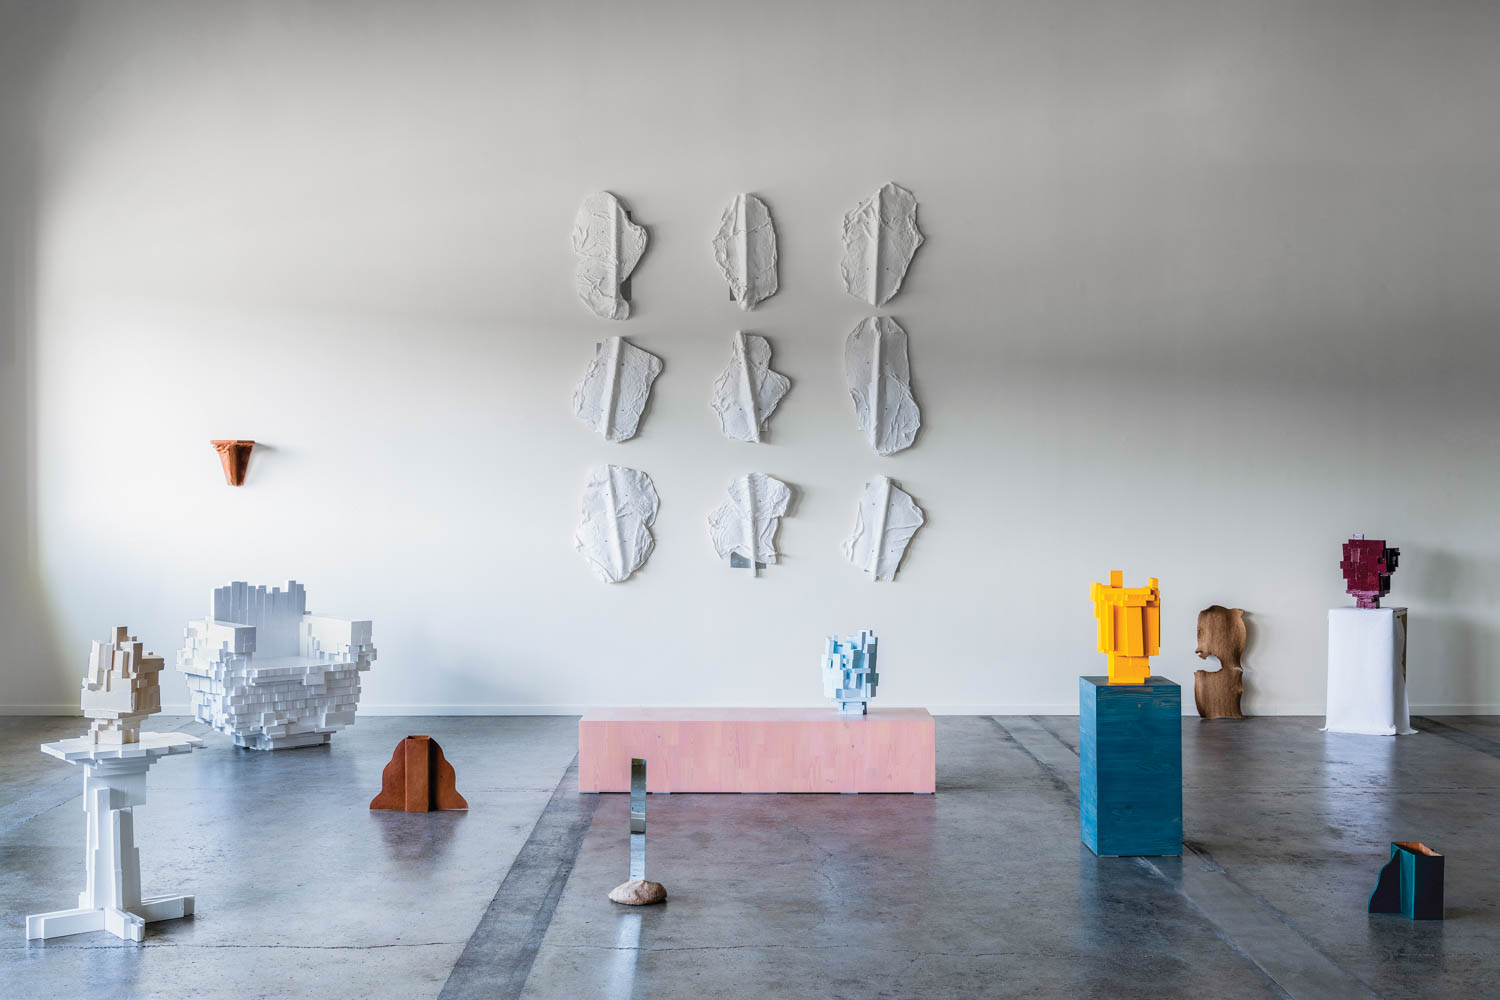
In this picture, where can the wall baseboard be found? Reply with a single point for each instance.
(501, 710)
(1454, 710)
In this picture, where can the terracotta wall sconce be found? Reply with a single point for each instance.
(235, 457)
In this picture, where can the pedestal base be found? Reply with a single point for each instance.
(114, 783)
(128, 925)
(289, 741)
(1367, 672)
(759, 749)
(1130, 766)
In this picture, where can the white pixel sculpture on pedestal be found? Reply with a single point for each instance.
(262, 670)
(121, 688)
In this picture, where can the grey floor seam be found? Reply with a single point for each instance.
(1462, 737)
(1048, 771)
(41, 800)
(497, 960)
(1248, 924)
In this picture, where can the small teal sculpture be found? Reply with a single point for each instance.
(1411, 883)
(849, 676)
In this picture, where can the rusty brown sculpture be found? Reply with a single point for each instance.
(1221, 633)
(235, 457)
(418, 779)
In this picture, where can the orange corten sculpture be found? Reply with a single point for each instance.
(418, 779)
(235, 457)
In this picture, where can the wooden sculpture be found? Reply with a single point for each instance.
(418, 779)
(235, 457)
(1221, 633)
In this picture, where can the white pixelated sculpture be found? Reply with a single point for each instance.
(121, 688)
(262, 670)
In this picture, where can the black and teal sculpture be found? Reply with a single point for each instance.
(1411, 883)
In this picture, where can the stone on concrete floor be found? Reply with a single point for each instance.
(639, 892)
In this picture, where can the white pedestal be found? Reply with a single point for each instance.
(114, 782)
(1367, 672)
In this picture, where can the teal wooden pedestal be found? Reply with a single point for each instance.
(1130, 766)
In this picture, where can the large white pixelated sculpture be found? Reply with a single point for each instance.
(262, 670)
(121, 688)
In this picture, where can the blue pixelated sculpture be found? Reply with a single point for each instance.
(849, 676)
(1130, 766)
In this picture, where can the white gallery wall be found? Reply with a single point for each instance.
(1207, 286)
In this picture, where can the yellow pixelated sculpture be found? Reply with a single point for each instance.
(1129, 626)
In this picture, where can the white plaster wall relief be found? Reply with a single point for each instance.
(743, 528)
(619, 507)
(614, 390)
(608, 246)
(747, 392)
(885, 522)
(879, 375)
(880, 237)
(745, 248)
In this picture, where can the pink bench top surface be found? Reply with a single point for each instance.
(752, 715)
(759, 749)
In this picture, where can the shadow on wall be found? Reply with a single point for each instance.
(30, 35)
(1450, 654)
(1247, 658)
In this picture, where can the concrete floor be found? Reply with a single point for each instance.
(981, 890)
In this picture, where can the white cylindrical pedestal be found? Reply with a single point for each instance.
(1367, 672)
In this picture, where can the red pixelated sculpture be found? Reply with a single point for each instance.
(1367, 567)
